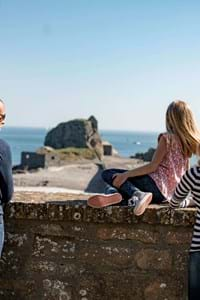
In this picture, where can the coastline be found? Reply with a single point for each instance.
(82, 176)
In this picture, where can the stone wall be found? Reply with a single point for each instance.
(66, 250)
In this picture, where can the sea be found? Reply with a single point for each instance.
(127, 143)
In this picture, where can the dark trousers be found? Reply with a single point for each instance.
(142, 183)
(1, 230)
(194, 276)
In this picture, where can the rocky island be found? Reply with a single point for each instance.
(72, 159)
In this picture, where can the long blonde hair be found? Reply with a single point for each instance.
(181, 122)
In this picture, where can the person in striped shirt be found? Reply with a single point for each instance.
(190, 185)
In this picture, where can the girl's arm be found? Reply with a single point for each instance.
(158, 156)
(188, 164)
(182, 190)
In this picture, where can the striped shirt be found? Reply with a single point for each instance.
(190, 182)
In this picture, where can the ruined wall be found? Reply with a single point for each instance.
(69, 251)
(32, 160)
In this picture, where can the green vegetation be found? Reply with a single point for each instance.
(72, 152)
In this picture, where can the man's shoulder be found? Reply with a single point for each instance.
(4, 145)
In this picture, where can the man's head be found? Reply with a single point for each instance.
(2, 113)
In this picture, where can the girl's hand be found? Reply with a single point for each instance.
(119, 179)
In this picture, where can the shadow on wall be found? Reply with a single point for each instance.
(96, 184)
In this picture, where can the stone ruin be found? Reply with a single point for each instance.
(74, 134)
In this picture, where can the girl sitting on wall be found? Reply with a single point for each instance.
(156, 181)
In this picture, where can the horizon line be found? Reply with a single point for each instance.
(100, 129)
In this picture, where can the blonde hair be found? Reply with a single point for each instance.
(181, 122)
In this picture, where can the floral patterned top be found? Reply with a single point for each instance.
(172, 168)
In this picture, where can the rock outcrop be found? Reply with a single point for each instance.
(78, 133)
(146, 156)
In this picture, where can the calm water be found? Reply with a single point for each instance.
(29, 139)
(128, 143)
(22, 139)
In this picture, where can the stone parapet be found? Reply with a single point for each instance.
(66, 250)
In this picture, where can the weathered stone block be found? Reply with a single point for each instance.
(56, 289)
(18, 289)
(127, 233)
(165, 288)
(151, 259)
(178, 238)
(107, 254)
(49, 246)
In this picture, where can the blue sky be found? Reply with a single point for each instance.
(122, 61)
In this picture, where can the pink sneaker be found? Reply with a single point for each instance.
(103, 200)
